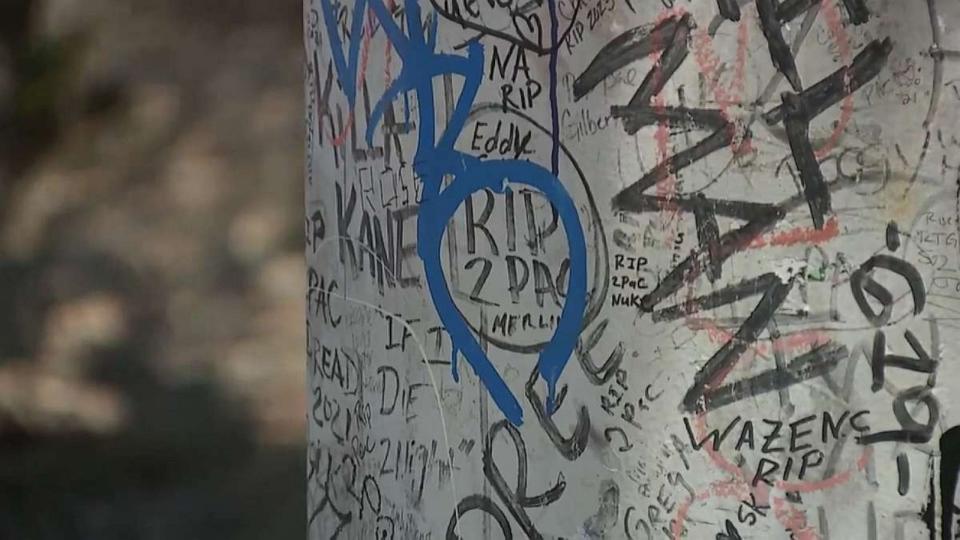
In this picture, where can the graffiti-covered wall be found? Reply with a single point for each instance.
(633, 269)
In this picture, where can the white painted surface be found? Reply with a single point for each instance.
(396, 444)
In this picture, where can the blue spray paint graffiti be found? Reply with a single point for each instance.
(436, 160)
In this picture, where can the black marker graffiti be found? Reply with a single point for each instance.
(861, 281)
(343, 518)
(730, 532)
(527, 25)
(669, 38)
(483, 504)
(949, 471)
(598, 375)
(569, 447)
(517, 500)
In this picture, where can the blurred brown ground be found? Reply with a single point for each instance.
(151, 269)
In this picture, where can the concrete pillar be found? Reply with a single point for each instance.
(632, 269)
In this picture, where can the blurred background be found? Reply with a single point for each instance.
(151, 269)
